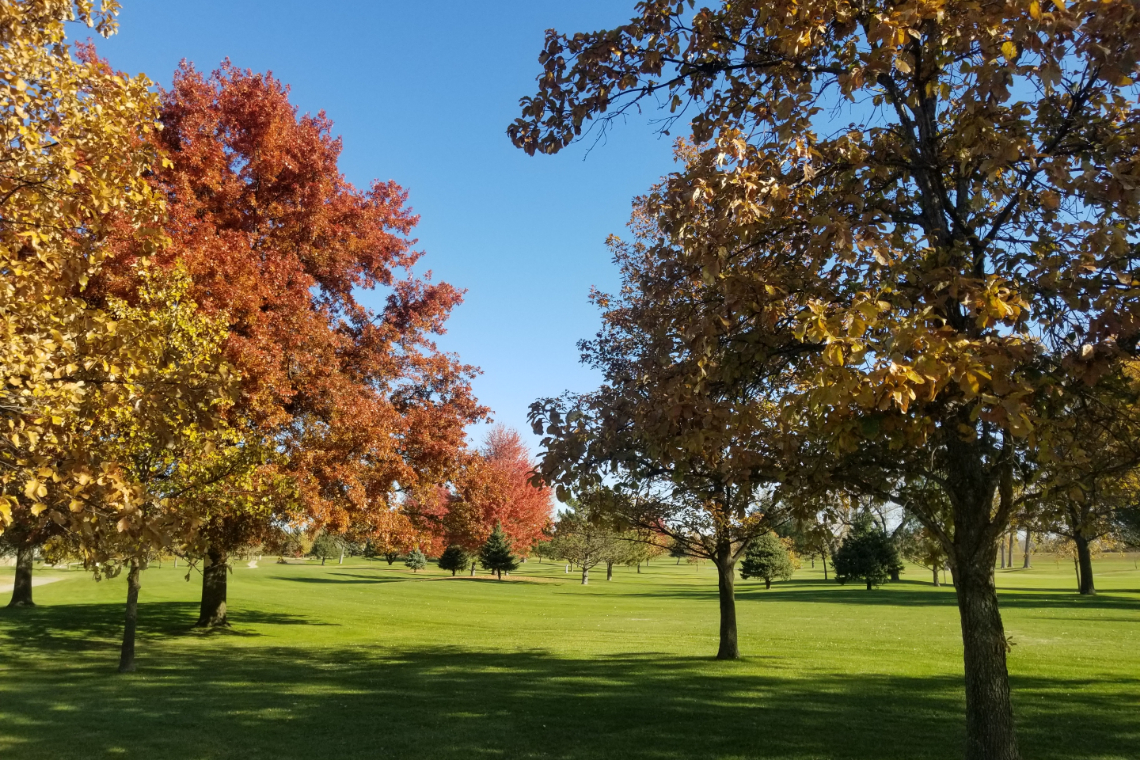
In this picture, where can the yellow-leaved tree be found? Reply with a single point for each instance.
(110, 416)
(75, 146)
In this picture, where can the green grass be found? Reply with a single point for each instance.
(364, 661)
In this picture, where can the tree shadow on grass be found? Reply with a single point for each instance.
(452, 703)
(917, 594)
(76, 627)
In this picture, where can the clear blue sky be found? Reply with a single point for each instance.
(422, 94)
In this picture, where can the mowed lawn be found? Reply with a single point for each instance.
(365, 661)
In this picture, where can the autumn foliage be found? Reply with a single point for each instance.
(277, 240)
(493, 489)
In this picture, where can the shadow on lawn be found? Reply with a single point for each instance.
(285, 703)
(75, 627)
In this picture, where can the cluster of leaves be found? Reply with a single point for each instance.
(901, 246)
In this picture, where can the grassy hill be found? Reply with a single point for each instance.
(366, 661)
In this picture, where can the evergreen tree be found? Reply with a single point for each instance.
(496, 553)
(768, 559)
(416, 560)
(453, 559)
(867, 554)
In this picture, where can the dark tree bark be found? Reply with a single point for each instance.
(767, 583)
(473, 568)
(1025, 561)
(936, 583)
(1012, 542)
(22, 590)
(726, 581)
(609, 571)
(585, 575)
(127, 655)
(989, 712)
(823, 559)
(215, 582)
(1084, 561)
(639, 568)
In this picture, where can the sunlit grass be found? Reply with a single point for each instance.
(363, 661)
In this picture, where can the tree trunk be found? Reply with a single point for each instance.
(341, 562)
(989, 714)
(22, 590)
(127, 656)
(585, 576)
(1084, 561)
(936, 576)
(868, 585)
(567, 569)
(609, 571)
(176, 561)
(215, 583)
(767, 583)
(823, 559)
(895, 574)
(726, 580)
(1025, 561)
(499, 573)
(472, 568)
(322, 561)
(638, 568)
(1012, 541)
(1001, 551)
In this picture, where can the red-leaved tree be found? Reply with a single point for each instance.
(360, 404)
(492, 488)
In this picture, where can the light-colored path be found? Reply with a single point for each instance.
(6, 587)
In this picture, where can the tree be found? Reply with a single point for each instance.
(921, 548)
(454, 558)
(492, 487)
(582, 535)
(416, 560)
(677, 550)
(362, 408)
(326, 546)
(932, 276)
(867, 554)
(638, 548)
(495, 555)
(767, 558)
(1088, 472)
(78, 140)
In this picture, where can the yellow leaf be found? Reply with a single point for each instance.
(1009, 50)
(1035, 10)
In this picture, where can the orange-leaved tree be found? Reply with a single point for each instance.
(359, 403)
(492, 488)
